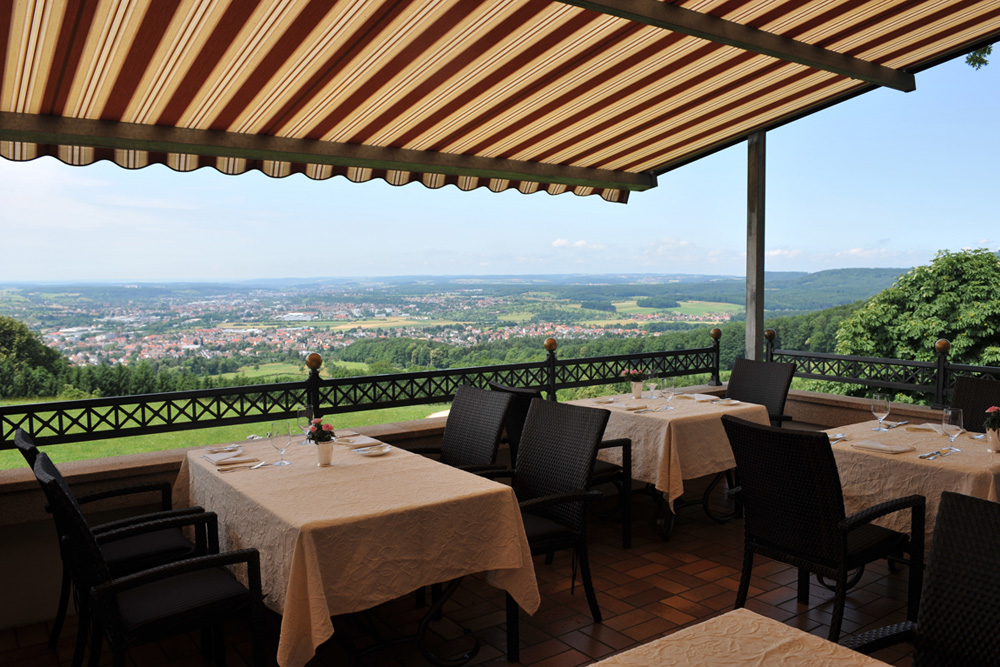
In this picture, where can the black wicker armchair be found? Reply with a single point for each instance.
(605, 472)
(973, 396)
(190, 594)
(960, 609)
(472, 433)
(794, 513)
(763, 382)
(125, 555)
(551, 480)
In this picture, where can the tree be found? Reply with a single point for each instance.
(956, 296)
(978, 58)
(27, 366)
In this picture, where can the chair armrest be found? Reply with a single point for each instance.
(164, 488)
(917, 502)
(777, 419)
(880, 638)
(249, 556)
(143, 518)
(478, 469)
(617, 442)
(208, 520)
(560, 498)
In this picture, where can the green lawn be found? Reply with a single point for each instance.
(207, 436)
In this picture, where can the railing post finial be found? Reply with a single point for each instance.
(313, 363)
(550, 363)
(942, 347)
(716, 334)
(769, 336)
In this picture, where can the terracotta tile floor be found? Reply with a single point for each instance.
(650, 590)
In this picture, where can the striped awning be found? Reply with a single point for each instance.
(589, 97)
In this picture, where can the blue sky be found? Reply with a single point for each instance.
(884, 180)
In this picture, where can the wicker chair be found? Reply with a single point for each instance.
(126, 555)
(794, 513)
(763, 382)
(472, 433)
(960, 609)
(190, 594)
(973, 396)
(605, 472)
(551, 481)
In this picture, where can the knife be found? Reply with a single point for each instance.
(895, 425)
(930, 454)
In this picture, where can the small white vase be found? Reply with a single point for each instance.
(636, 390)
(993, 441)
(324, 450)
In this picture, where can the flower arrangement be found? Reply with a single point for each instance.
(992, 422)
(634, 375)
(319, 431)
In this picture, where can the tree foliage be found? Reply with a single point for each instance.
(979, 58)
(956, 296)
(27, 366)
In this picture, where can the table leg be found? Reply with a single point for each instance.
(513, 630)
(432, 613)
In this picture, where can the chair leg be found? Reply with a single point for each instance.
(588, 585)
(744, 589)
(96, 644)
(206, 644)
(839, 601)
(82, 634)
(57, 624)
(219, 644)
(803, 596)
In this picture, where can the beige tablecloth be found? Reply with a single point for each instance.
(739, 637)
(669, 446)
(869, 478)
(361, 532)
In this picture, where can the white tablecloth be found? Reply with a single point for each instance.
(359, 533)
(739, 638)
(669, 446)
(869, 478)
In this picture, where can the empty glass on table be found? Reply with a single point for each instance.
(281, 437)
(951, 424)
(880, 408)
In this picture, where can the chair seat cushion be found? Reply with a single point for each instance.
(168, 606)
(545, 534)
(141, 552)
(870, 542)
(604, 471)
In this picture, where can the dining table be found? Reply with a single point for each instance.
(876, 466)
(740, 637)
(672, 440)
(359, 532)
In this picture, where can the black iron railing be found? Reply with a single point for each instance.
(100, 418)
(933, 378)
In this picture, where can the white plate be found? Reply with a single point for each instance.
(376, 450)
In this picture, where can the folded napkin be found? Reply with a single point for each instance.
(236, 461)
(872, 446)
(356, 441)
(236, 449)
(937, 428)
(636, 407)
(726, 401)
(218, 457)
(602, 401)
(701, 398)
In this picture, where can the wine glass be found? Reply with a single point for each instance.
(303, 417)
(880, 408)
(652, 389)
(670, 387)
(951, 424)
(281, 437)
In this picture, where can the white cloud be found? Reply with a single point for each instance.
(559, 243)
(783, 253)
(581, 244)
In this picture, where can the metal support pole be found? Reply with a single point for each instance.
(313, 362)
(756, 163)
(942, 347)
(716, 334)
(550, 365)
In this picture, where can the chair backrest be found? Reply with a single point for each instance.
(87, 563)
(26, 446)
(558, 447)
(973, 396)
(516, 414)
(763, 382)
(960, 608)
(475, 422)
(790, 489)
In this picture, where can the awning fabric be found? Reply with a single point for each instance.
(532, 95)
